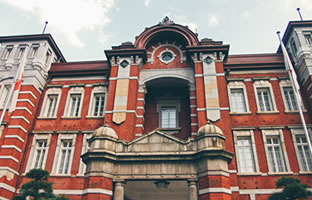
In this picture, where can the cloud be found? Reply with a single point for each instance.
(213, 20)
(68, 17)
(147, 2)
(245, 14)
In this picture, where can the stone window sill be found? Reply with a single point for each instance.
(68, 117)
(94, 117)
(267, 112)
(43, 117)
(280, 173)
(249, 174)
(170, 130)
(240, 113)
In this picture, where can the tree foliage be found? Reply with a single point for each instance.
(292, 189)
(39, 188)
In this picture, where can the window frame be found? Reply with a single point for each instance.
(85, 147)
(5, 87)
(45, 106)
(33, 151)
(161, 103)
(57, 156)
(21, 50)
(276, 133)
(246, 134)
(95, 91)
(33, 53)
(264, 84)
(238, 85)
(283, 85)
(295, 132)
(68, 105)
(308, 38)
(7, 52)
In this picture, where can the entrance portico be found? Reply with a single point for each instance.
(158, 164)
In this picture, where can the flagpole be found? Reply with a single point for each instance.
(8, 98)
(294, 82)
(15, 80)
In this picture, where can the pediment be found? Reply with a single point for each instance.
(158, 141)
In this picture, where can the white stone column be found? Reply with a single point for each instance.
(119, 190)
(192, 187)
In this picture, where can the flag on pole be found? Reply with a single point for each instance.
(18, 81)
(290, 68)
(296, 88)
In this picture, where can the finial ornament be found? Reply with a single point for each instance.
(166, 21)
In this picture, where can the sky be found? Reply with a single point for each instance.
(83, 29)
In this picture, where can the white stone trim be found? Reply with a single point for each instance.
(215, 190)
(14, 136)
(80, 78)
(57, 156)
(85, 191)
(18, 127)
(31, 160)
(9, 157)
(250, 134)
(279, 133)
(26, 100)
(264, 84)
(21, 117)
(44, 109)
(232, 171)
(23, 108)
(234, 188)
(84, 149)
(7, 187)
(9, 169)
(11, 147)
(259, 191)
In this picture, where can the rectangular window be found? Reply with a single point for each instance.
(20, 52)
(34, 51)
(245, 155)
(98, 106)
(51, 105)
(264, 99)
(65, 156)
(4, 94)
(290, 99)
(48, 57)
(7, 52)
(308, 39)
(293, 46)
(74, 105)
(168, 117)
(303, 153)
(238, 100)
(40, 153)
(275, 155)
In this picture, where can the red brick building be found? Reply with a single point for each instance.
(166, 117)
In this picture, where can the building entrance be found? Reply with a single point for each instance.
(157, 189)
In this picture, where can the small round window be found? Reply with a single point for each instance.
(167, 56)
